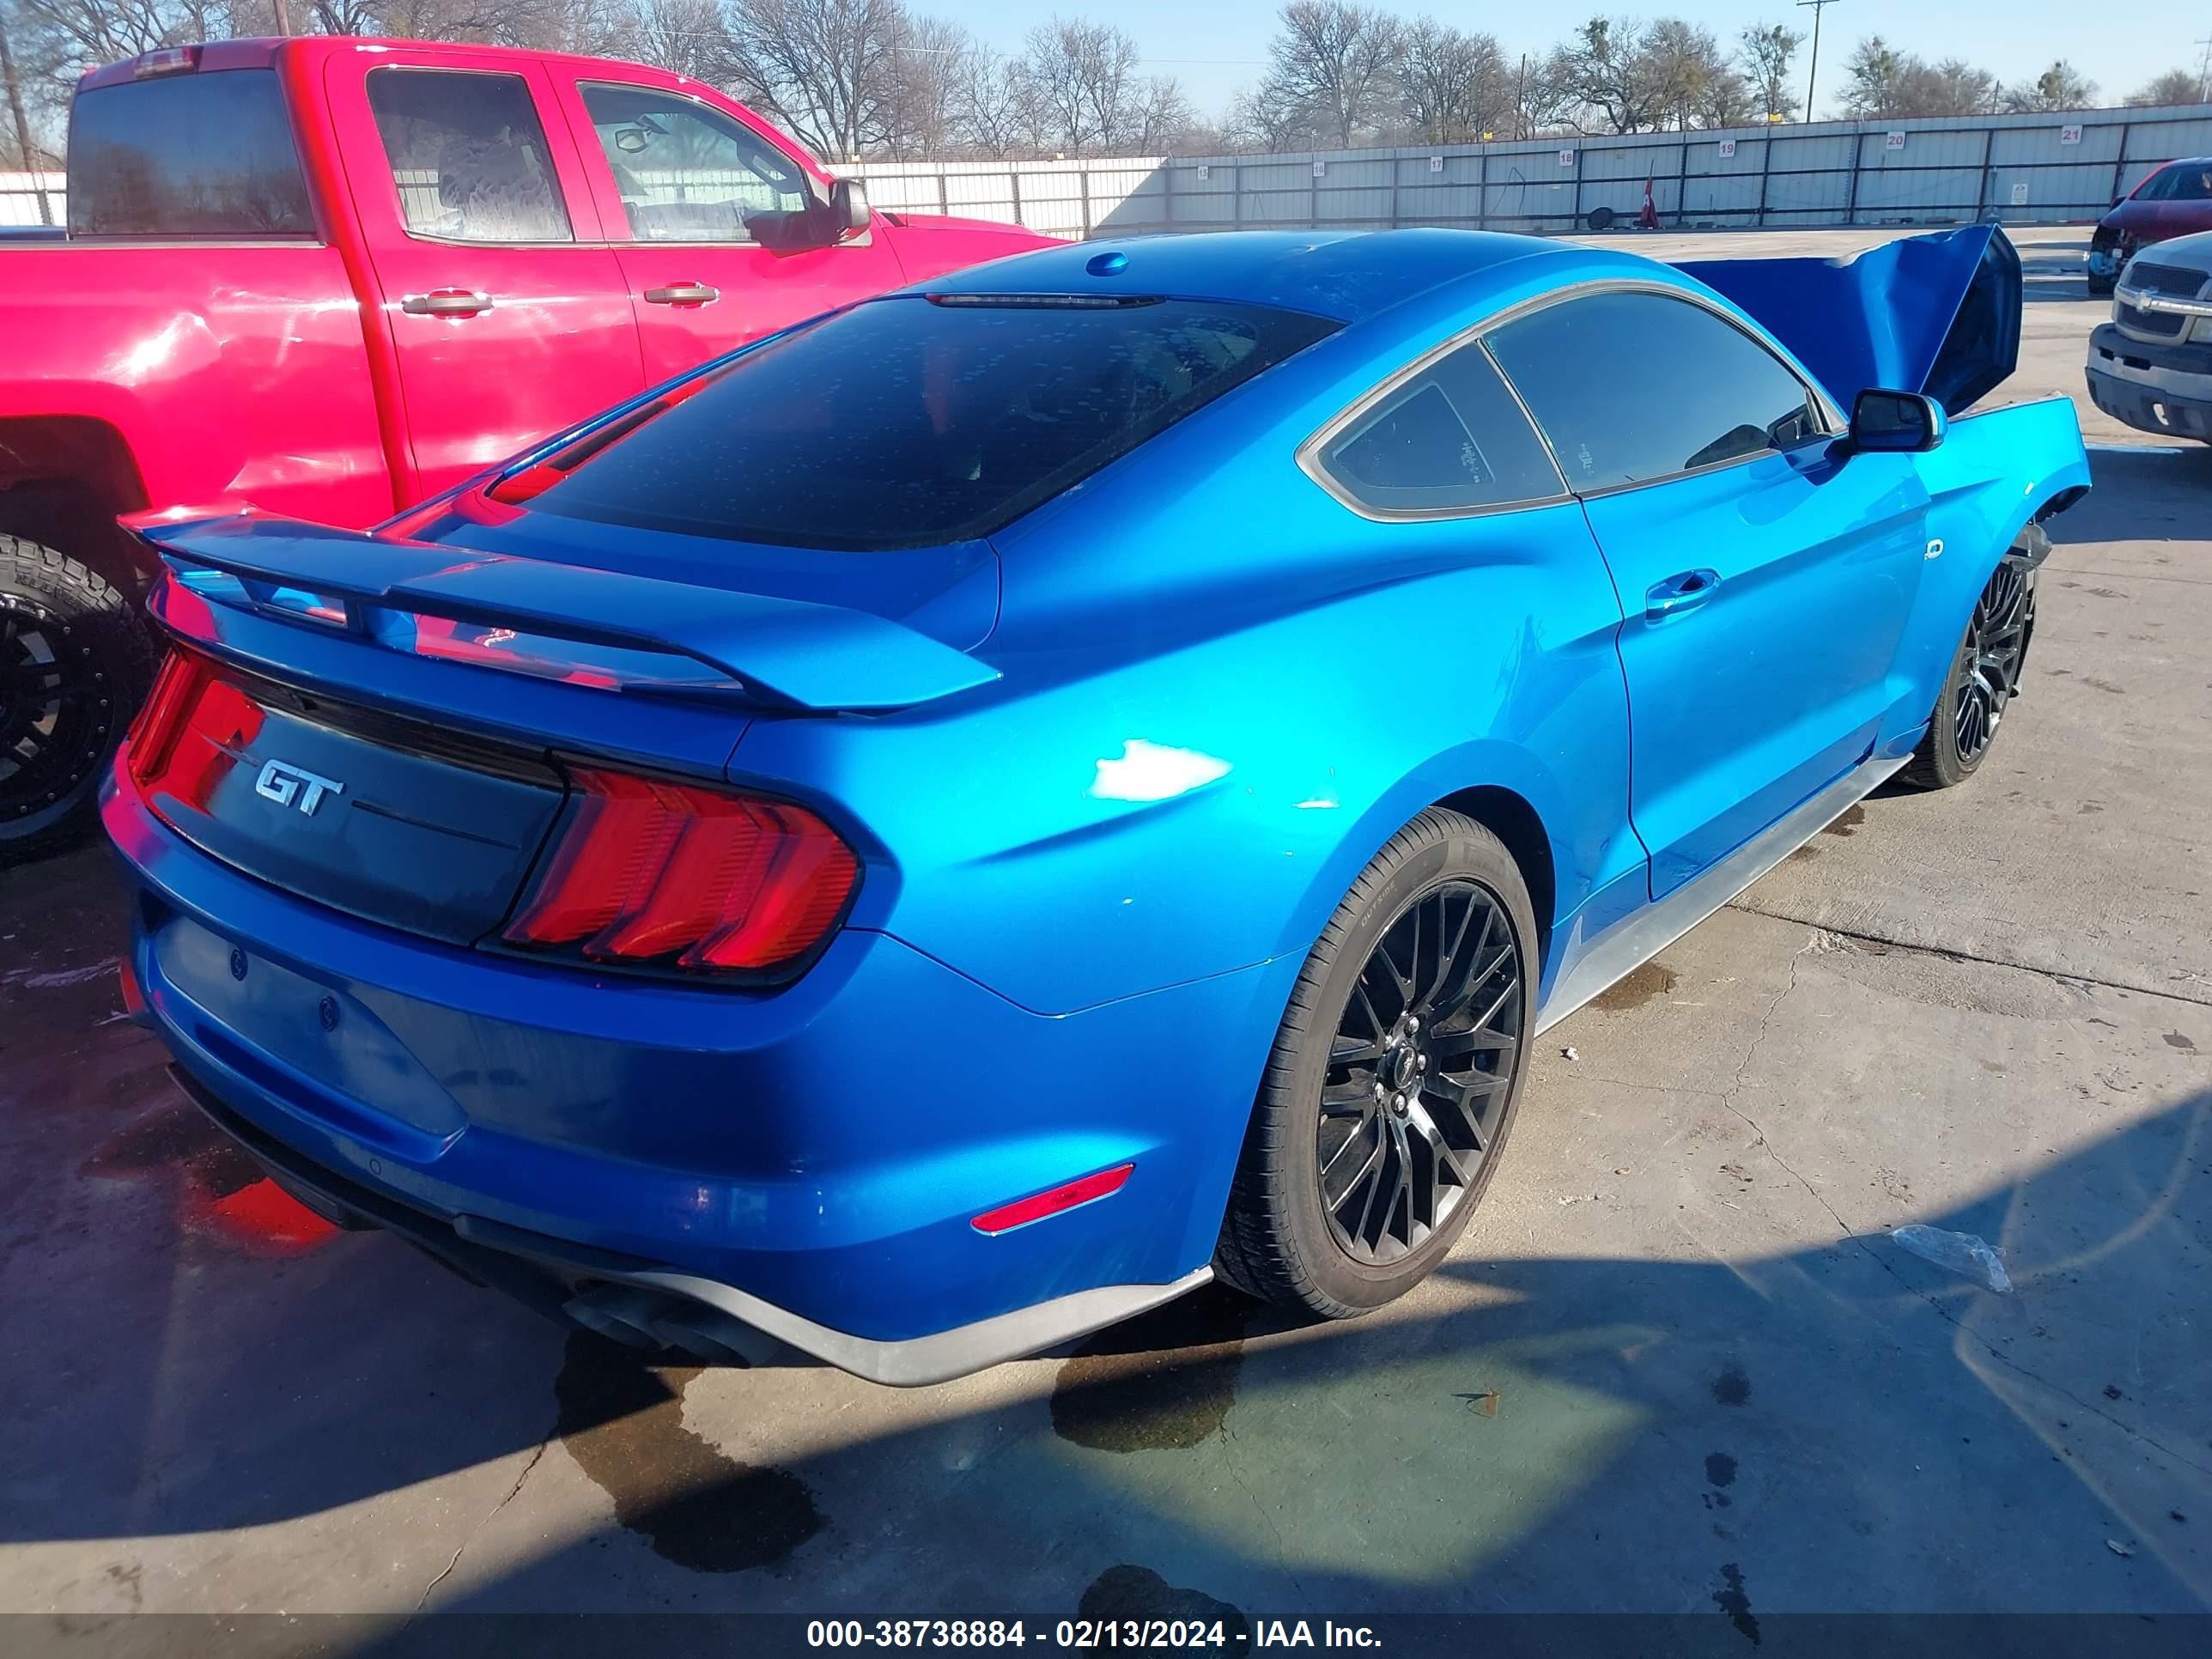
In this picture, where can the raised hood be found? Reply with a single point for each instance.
(1938, 314)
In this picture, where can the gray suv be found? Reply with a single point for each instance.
(2151, 366)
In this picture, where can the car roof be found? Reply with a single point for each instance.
(1343, 275)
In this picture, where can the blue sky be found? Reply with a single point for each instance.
(1215, 46)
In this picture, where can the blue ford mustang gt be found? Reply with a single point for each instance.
(971, 816)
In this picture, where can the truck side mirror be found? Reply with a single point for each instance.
(848, 206)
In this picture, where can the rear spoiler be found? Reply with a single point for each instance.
(790, 654)
(1938, 314)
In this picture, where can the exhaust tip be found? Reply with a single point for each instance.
(621, 1313)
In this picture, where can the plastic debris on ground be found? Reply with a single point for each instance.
(1963, 1253)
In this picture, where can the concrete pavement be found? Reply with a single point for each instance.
(1718, 1386)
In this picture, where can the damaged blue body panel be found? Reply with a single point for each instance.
(1938, 314)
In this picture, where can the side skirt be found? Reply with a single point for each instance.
(1635, 939)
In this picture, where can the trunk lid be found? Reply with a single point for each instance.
(388, 819)
(419, 734)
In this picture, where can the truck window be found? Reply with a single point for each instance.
(188, 155)
(468, 155)
(686, 172)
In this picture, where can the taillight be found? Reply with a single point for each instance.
(648, 873)
(160, 717)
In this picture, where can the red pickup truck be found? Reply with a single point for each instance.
(333, 277)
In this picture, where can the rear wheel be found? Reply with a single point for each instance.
(1983, 680)
(1394, 1078)
(75, 659)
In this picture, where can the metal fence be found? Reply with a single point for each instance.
(33, 198)
(2020, 168)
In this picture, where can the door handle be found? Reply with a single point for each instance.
(1685, 591)
(446, 302)
(683, 294)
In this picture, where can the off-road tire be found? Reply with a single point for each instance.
(75, 659)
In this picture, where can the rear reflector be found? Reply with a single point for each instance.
(134, 1000)
(1086, 1189)
(650, 872)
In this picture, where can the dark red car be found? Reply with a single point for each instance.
(2174, 201)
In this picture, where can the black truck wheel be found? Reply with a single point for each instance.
(75, 657)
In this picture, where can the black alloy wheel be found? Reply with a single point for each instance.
(1983, 680)
(1385, 1102)
(1419, 1073)
(1991, 654)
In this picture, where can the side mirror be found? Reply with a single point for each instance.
(1896, 422)
(848, 206)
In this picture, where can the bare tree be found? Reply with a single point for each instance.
(1769, 54)
(993, 110)
(27, 153)
(2059, 86)
(1335, 61)
(1086, 96)
(1953, 87)
(1871, 78)
(2176, 86)
(828, 69)
(925, 109)
(1452, 86)
(683, 36)
(1881, 81)
(1600, 78)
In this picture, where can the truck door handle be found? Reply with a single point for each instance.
(446, 302)
(683, 294)
(1684, 591)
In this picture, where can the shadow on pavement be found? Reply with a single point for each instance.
(1823, 1428)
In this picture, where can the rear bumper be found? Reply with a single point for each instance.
(546, 1272)
(808, 1163)
(2165, 388)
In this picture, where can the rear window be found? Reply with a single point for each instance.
(912, 421)
(2185, 181)
(186, 155)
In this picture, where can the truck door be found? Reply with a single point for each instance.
(507, 309)
(720, 228)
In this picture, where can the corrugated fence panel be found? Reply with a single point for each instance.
(2026, 167)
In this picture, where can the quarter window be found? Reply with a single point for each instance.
(196, 155)
(469, 156)
(1450, 440)
(1632, 386)
(689, 173)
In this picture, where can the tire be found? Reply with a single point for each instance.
(2100, 288)
(1435, 1133)
(1983, 680)
(75, 658)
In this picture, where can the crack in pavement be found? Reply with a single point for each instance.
(1852, 1236)
(2058, 975)
(511, 1493)
(1282, 1550)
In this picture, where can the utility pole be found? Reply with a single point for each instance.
(1812, 74)
(15, 90)
(2204, 72)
